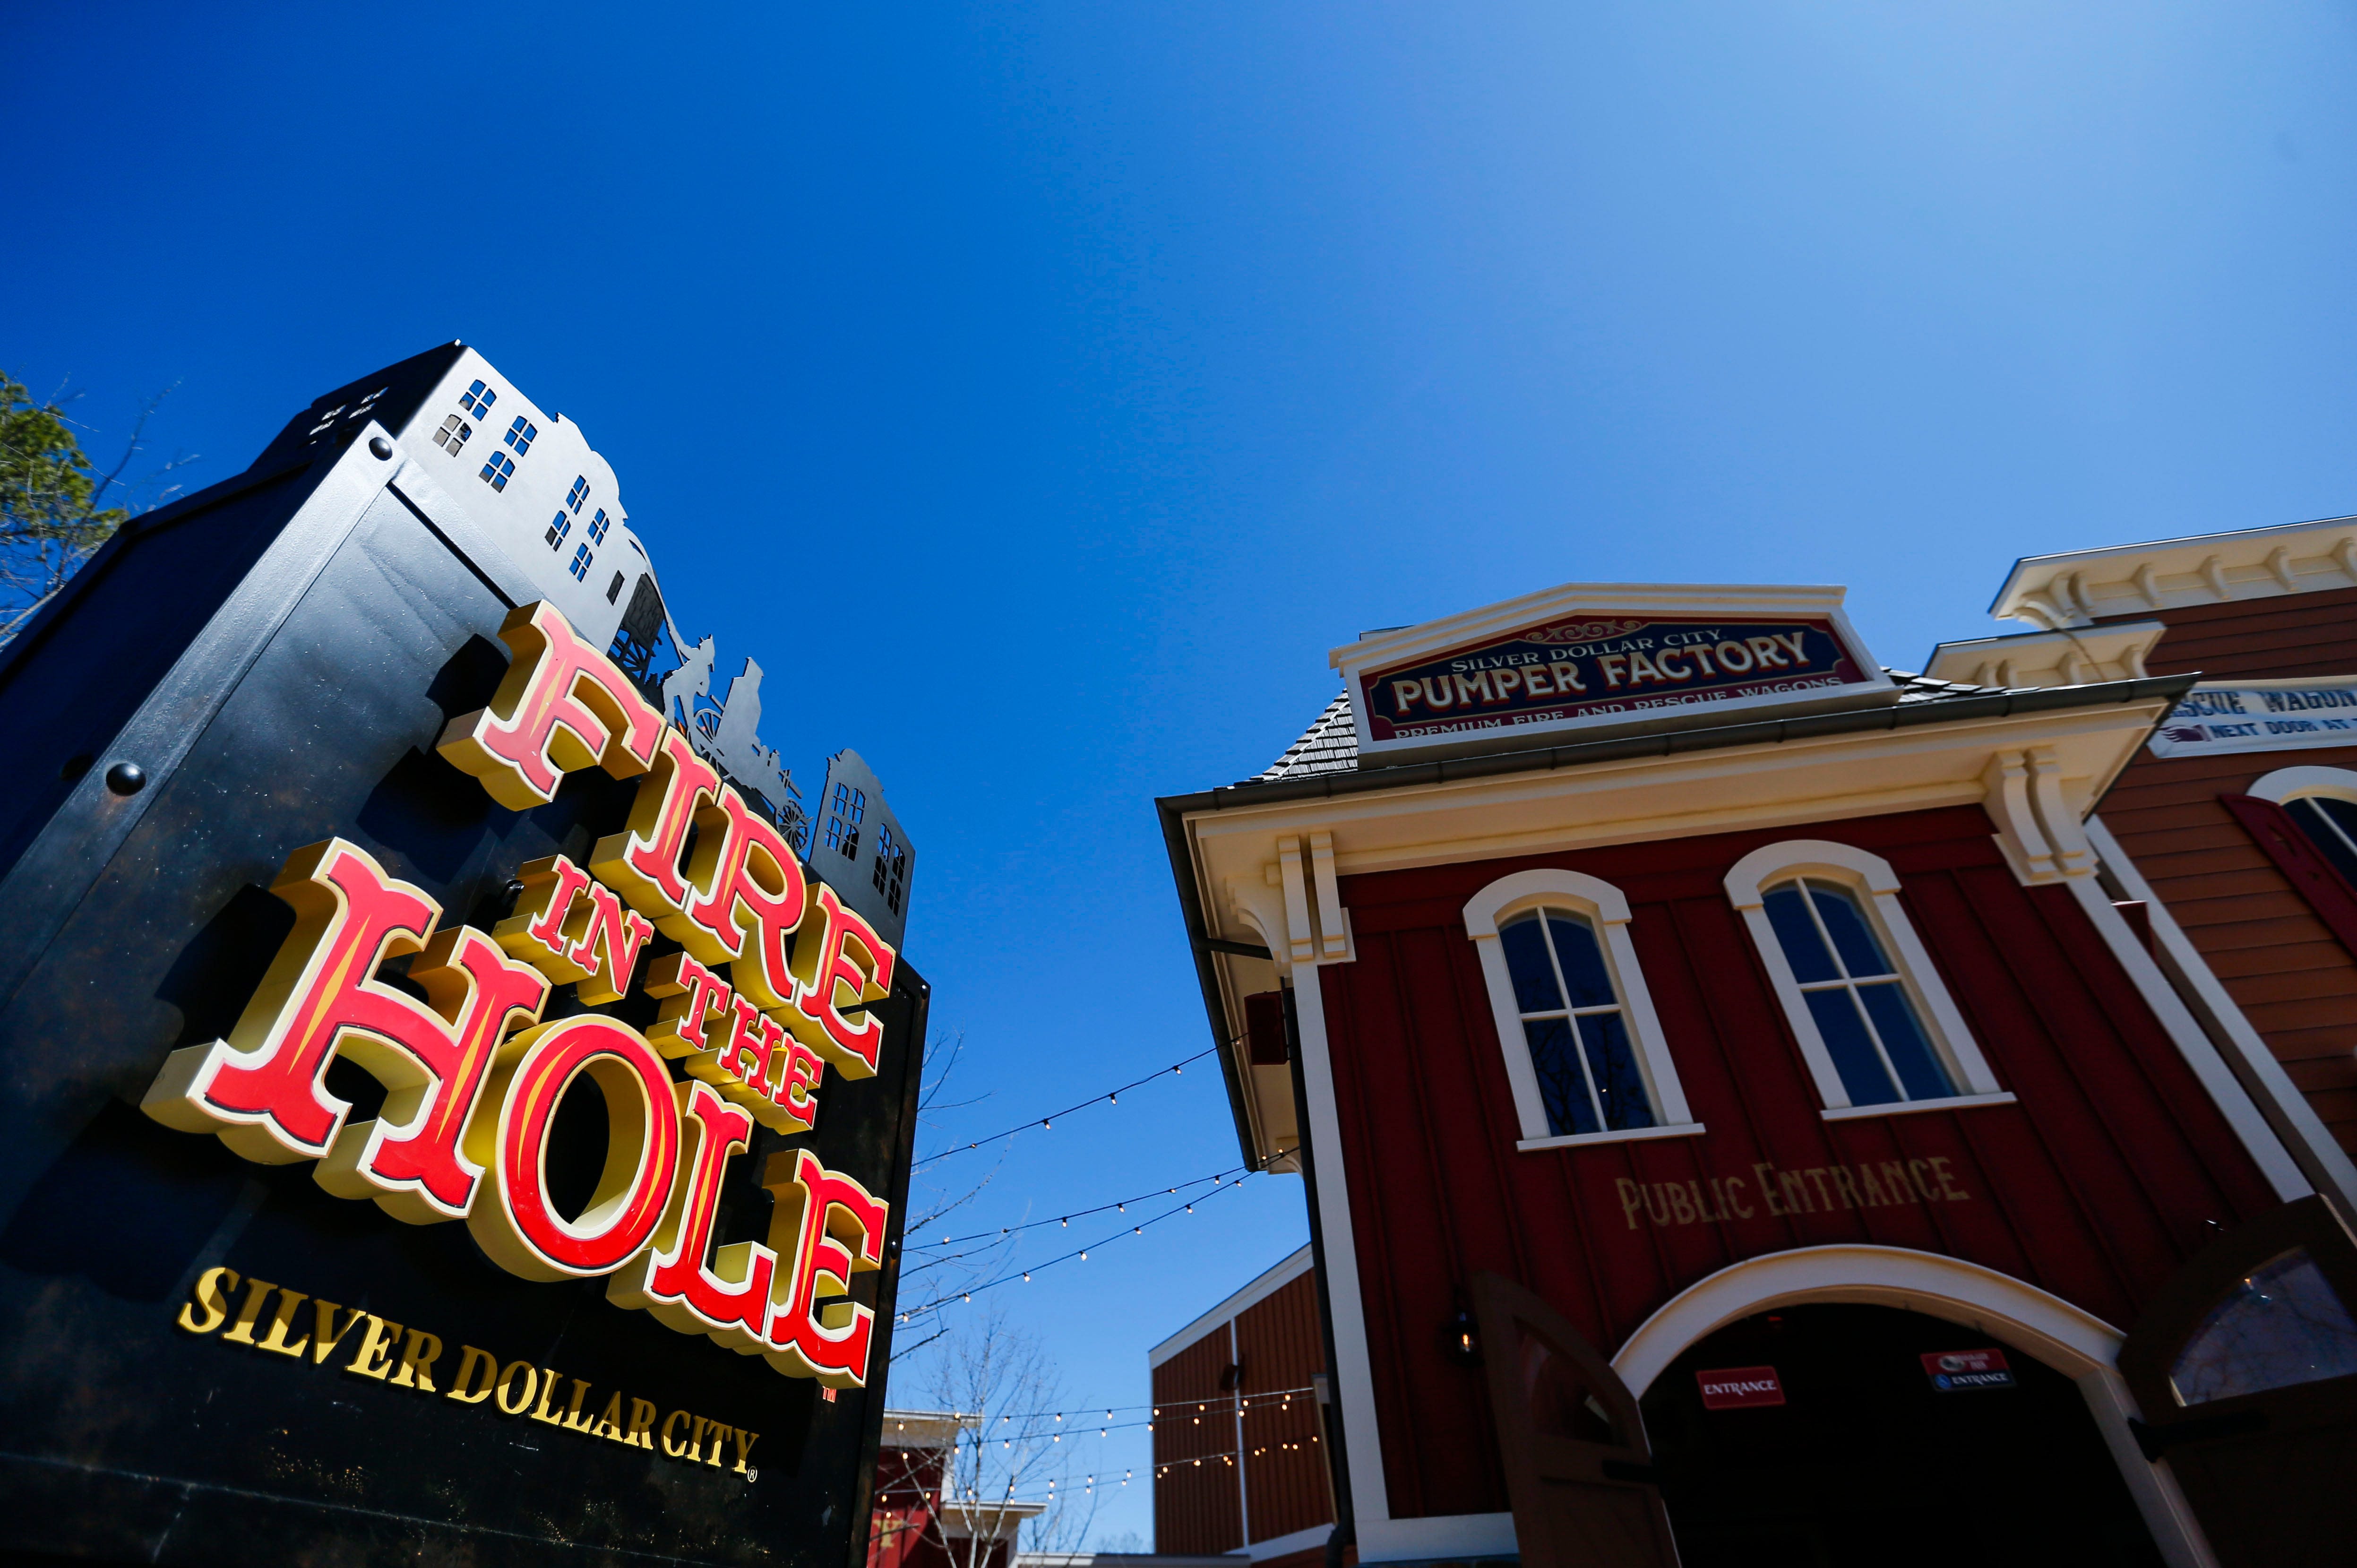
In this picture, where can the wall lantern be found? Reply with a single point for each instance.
(1463, 1339)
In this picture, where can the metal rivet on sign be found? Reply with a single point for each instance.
(381, 446)
(126, 778)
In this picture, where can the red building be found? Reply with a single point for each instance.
(2235, 822)
(1238, 1450)
(1742, 1109)
(914, 1522)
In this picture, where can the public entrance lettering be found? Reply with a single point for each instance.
(1811, 1189)
(1581, 666)
(1740, 1388)
(473, 1076)
(1954, 1371)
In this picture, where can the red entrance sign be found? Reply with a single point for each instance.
(1952, 1371)
(1740, 1388)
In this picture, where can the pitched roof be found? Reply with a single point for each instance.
(1330, 744)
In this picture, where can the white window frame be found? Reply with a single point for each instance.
(2285, 785)
(1602, 904)
(1871, 877)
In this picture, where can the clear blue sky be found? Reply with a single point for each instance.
(1040, 393)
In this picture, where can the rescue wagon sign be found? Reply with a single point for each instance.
(2261, 715)
(1588, 670)
(475, 1074)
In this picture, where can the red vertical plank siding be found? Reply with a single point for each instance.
(2095, 1187)
(1285, 1467)
(1197, 1510)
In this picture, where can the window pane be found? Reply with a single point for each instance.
(2317, 818)
(1561, 1088)
(1846, 1042)
(2342, 812)
(2283, 1325)
(1797, 934)
(1526, 962)
(1905, 1043)
(1853, 937)
(1613, 1067)
(1582, 961)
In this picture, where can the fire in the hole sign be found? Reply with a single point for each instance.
(1740, 1388)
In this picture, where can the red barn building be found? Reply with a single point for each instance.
(1746, 1119)
(1239, 1452)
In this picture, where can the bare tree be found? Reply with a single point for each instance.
(1017, 1454)
(930, 1275)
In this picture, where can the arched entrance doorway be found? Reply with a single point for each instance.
(1828, 1435)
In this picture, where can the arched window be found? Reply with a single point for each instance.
(1874, 1021)
(1583, 1047)
(1854, 993)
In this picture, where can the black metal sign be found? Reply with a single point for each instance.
(214, 1354)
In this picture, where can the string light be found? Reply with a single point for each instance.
(1110, 1097)
(1081, 1254)
(1064, 1221)
(1248, 1402)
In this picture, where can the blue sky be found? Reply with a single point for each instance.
(1040, 393)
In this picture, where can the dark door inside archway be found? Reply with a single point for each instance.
(1868, 1461)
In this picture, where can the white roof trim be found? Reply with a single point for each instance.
(1259, 1290)
(2075, 588)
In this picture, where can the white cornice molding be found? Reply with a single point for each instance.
(2077, 657)
(1379, 650)
(2076, 588)
(1814, 779)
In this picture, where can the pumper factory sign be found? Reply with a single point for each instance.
(474, 1075)
(1596, 666)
